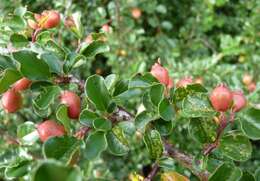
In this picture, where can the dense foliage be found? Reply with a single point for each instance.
(130, 90)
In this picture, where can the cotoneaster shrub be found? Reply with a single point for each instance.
(136, 124)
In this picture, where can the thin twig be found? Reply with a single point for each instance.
(153, 172)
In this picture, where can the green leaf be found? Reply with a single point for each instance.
(102, 124)
(203, 130)
(6, 62)
(127, 95)
(96, 143)
(182, 92)
(111, 81)
(31, 66)
(46, 97)
(97, 92)
(166, 110)
(18, 168)
(226, 172)
(120, 87)
(142, 81)
(62, 116)
(53, 46)
(197, 105)
(166, 162)
(16, 23)
(27, 133)
(164, 127)
(77, 29)
(56, 171)
(94, 48)
(43, 37)
(87, 117)
(53, 61)
(61, 148)
(247, 176)
(157, 93)
(250, 123)
(71, 60)
(142, 119)
(18, 40)
(236, 146)
(20, 11)
(257, 174)
(8, 77)
(115, 146)
(153, 142)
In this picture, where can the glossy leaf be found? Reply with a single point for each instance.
(203, 130)
(142, 81)
(6, 62)
(142, 120)
(87, 117)
(226, 172)
(250, 123)
(157, 93)
(94, 48)
(247, 176)
(18, 168)
(102, 124)
(236, 146)
(115, 146)
(61, 148)
(31, 66)
(27, 133)
(53, 171)
(46, 97)
(164, 127)
(53, 62)
(153, 142)
(62, 116)
(197, 105)
(97, 92)
(18, 40)
(96, 143)
(166, 110)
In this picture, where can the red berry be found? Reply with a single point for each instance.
(239, 101)
(170, 84)
(106, 28)
(160, 73)
(136, 13)
(184, 82)
(71, 100)
(50, 19)
(221, 98)
(11, 101)
(49, 129)
(251, 87)
(22, 84)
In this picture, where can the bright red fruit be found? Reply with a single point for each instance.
(170, 84)
(49, 129)
(251, 87)
(184, 82)
(160, 73)
(221, 98)
(22, 84)
(11, 101)
(239, 101)
(52, 19)
(106, 28)
(71, 100)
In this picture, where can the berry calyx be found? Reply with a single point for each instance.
(71, 100)
(221, 98)
(239, 101)
(136, 13)
(22, 84)
(184, 82)
(11, 101)
(160, 73)
(48, 129)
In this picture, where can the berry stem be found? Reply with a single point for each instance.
(223, 124)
